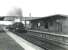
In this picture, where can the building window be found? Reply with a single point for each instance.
(46, 25)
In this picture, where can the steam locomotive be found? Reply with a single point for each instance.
(17, 27)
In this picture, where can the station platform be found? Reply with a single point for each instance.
(15, 42)
(51, 42)
(7, 43)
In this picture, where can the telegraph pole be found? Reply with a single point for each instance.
(25, 22)
(29, 21)
(21, 16)
(30, 15)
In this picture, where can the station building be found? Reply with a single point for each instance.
(54, 23)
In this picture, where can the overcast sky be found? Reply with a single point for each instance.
(38, 8)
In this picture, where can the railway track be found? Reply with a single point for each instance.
(39, 41)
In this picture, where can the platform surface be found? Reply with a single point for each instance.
(7, 43)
